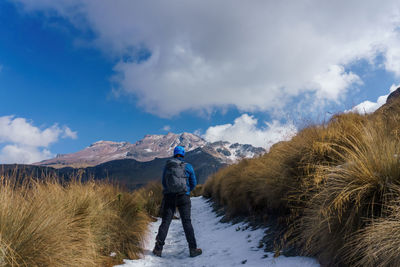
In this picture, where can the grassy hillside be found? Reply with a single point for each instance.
(333, 190)
(46, 223)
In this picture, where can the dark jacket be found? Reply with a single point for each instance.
(191, 182)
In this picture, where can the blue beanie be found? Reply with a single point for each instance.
(179, 150)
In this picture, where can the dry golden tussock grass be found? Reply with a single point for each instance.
(377, 244)
(45, 223)
(197, 191)
(328, 186)
(151, 195)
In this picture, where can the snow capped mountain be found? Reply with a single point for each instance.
(151, 147)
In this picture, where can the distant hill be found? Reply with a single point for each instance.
(128, 172)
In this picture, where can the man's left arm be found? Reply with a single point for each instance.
(192, 176)
(163, 179)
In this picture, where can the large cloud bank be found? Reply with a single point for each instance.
(254, 55)
(244, 130)
(25, 143)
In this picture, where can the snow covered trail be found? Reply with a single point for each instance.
(223, 244)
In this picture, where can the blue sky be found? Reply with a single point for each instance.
(122, 71)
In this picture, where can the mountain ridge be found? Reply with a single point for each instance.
(127, 172)
(150, 148)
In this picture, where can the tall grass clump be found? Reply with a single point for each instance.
(273, 184)
(46, 223)
(329, 185)
(151, 195)
(356, 189)
(378, 244)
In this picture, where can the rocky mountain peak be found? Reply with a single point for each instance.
(159, 143)
(393, 95)
(392, 105)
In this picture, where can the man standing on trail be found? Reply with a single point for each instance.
(178, 180)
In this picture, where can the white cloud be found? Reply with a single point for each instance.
(19, 130)
(255, 55)
(392, 55)
(166, 128)
(26, 143)
(23, 154)
(244, 130)
(393, 88)
(369, 107)
(333, 84)
(68, 133)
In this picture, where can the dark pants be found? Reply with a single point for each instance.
(170, 202)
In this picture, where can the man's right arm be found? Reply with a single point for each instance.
(192, 176)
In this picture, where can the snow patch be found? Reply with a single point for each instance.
(223, 244)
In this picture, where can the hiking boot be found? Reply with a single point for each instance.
(194, 252)
(157, 249)
(157, 252)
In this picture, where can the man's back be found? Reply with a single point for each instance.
(190, 176)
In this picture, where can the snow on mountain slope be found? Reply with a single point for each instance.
(223, 244)
(149, 148)
(230, 153)
(161, 146)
